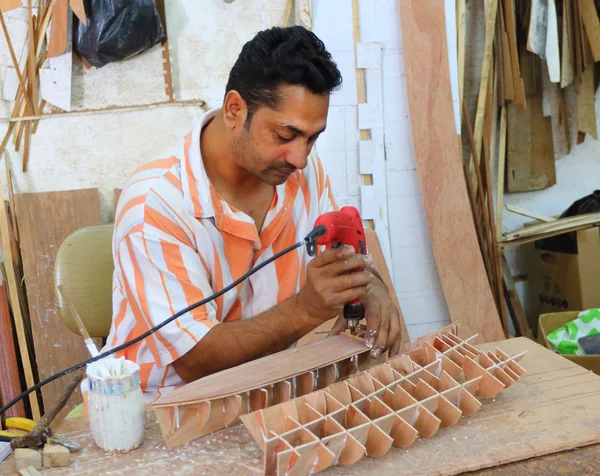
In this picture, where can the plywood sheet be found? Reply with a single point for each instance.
(553, 408)
(45, 220)
(438, 156)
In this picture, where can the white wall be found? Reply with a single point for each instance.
(101, 150)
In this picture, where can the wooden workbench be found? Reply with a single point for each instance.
(554, 408)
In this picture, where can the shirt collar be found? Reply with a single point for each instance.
(202, 201)
(196, 186)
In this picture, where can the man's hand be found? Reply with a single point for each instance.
(329, 285)
(383, 321)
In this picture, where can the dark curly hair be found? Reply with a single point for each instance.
(277, 56)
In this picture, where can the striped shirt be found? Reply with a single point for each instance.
(176, 241)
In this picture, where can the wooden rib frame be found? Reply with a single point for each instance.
(184, 419)
(390, 404)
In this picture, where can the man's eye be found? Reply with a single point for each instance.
(284, 139)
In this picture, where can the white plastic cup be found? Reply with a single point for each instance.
(116, 408)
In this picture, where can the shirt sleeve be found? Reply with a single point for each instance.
(160, 276)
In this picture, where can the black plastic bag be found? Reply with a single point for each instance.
(116, 30)
(587, 204)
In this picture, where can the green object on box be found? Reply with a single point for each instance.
(565, 338)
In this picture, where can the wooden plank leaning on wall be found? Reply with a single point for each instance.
(439, 166)
(45, 220)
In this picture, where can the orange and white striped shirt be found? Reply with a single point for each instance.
(176, 241)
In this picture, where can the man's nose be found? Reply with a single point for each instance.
(298, 156)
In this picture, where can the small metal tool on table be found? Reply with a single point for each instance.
(25, 424)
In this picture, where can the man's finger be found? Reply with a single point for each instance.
(351, 280)
(394, 332)
(351, 294)
(344, 265)
(373, 317)
(332, 255)
(395, 349)
(340, 326)
(382, 335)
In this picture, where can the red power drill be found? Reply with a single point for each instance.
(335, 229)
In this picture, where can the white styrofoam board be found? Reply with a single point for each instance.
(450, 12)
(332, 139)
(55, 80)
(334, 164)
(406, 183)
(346, 94)
(332, 23)
(380, 22)
(368, 55)
(351, 139)
(11, 84)
(366, 156)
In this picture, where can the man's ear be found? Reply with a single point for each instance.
(235, 110)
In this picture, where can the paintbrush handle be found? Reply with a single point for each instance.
(77, 318)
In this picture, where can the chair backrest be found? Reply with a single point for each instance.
(84, 266)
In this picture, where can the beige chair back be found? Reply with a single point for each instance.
(84, 266)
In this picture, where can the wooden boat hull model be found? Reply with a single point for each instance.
(391, 404)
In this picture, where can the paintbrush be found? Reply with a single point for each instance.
(89, 343)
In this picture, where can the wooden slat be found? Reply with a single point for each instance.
(79, 10)
(45, 220)
(566, 62)
(513, 302)
(486, 77)
(589, 15)
(9, 369)
(58, 30)
(519, 91)
(586, 110)
(577, 47)
(501, 174)
(438, 156)
(561, 224)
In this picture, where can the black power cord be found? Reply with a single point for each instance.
(309, 240)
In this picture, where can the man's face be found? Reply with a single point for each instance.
(278, 141)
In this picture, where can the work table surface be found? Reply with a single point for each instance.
(556, 404)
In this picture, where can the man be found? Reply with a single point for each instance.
(242, 186)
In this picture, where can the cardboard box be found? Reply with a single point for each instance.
(564, 273)
(550, 322)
